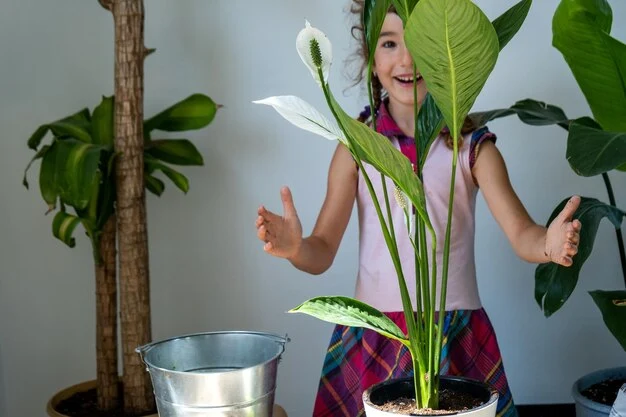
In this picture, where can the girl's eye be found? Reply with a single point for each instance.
(388, 44)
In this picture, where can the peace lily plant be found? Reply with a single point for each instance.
(455, 47)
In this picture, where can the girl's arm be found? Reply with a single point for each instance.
(532, 242)
(283, 234)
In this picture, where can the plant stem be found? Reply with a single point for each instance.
(407, 305)
(618, 231)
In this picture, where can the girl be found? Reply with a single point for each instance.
(358, 358)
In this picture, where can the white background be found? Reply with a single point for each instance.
(208, 271)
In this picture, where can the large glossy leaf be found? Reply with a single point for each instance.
(404, 8)
(194, 112)
(176, 177)
(510, 22)
(612, 304)
(430, 122)
(580, 31)
(102, 122)
(350, 312)
(455, 48)
(532, 112)
(374, 13)
(303, 115)
(175, 151)
(63, 226)
(591, 151)
(554, 283)
(378, 151)
(76, 125)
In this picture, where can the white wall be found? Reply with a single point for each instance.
(208, 270)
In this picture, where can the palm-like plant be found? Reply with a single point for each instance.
(595, 146)
(455, 47)
(77, 178)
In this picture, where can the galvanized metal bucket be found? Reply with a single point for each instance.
(216, 374)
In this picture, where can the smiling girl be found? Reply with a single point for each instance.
(356, 357)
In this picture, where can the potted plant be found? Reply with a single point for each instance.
(94, 172)
(595, 146)
(439, 53)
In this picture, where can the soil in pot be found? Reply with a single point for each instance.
(84, 404)
(604, 392)
(450, 403)
(399, 398)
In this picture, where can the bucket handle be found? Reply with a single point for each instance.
(142, 350)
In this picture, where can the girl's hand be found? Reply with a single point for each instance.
(563, 235)
(282, 234)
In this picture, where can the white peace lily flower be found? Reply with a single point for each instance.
(315, 51)
(305, 116)
(409, 216)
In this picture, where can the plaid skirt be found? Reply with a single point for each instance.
(358, 358)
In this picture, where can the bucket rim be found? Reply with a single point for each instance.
(145, 349)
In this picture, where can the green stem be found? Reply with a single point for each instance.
(446, 251)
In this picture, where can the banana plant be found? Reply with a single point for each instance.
(77, 179)
(455, 46)
(595, 145)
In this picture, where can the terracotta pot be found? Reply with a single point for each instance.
(68, 392)
(85, 386)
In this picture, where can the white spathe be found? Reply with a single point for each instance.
(305, 116)
(303, 45)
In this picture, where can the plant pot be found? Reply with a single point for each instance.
(215, 374)
(586, 407)
(67, 393)
(86, 386)
(379, 394)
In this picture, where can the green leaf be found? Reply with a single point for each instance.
(63, 226)
(430, 122)
(194, 112)
(154, 185)
(581, 33)
(175, 151)
(38, 155)
(554, 283)
(532, 112)
(176, 177)
(404, 8)
(374, 13)
(36, 138)
(591, 151)
(48, 173)
(77, 171)
(350, 312)
(102, 122)
(378, 151)
(455, 47)
(612, 304)
(81, 120)
(510, 22)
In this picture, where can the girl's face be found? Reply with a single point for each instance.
(394, 66)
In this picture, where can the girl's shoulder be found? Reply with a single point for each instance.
(477, 138)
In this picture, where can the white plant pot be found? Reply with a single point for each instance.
(404, 387)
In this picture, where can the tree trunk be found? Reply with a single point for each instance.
(128, 16)
(106, 321)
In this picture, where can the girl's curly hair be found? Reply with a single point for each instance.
(362, 56)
